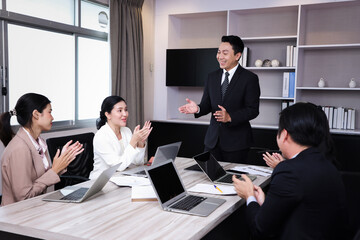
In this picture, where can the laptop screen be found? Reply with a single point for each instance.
(166, 181)
(210, 165)
(167, 152)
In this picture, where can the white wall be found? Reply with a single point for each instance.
(156, 96)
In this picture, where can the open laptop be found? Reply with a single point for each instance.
(215, 172)
(172, 195)
(162, 154)
(80, 194)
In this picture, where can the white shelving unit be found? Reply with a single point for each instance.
(329, 48)
(328, 89)
(271, 68)
(327, 37)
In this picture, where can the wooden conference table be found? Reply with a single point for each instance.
(112, 215)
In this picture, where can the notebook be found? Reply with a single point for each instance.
(80, 194)
(215, 172)
(162, 154)
(171, 193)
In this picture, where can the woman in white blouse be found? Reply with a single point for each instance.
(113, 142)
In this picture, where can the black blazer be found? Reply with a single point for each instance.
(241, 102)
(305, 200)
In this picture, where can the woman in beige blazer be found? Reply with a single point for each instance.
(25, 165)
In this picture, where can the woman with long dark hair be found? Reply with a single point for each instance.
(26, 167)
(114, 142)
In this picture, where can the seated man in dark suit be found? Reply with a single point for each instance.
(306, 198)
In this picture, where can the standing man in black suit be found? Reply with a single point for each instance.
(231, 95)
(306, 197)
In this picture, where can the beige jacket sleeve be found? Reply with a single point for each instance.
(23, 172)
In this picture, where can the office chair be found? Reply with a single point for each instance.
(79, 169)
(255, 155)
(351, 182)
(357, 236)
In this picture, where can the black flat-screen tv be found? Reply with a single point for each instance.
(190, 67)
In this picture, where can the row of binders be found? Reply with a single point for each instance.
(288, 90)
(291, 56)
(340, 117)
(244, 57)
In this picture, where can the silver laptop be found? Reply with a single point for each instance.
(162, 154)
(172, 195)
(215, 172)
(80, 194)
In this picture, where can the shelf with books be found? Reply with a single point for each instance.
(271, 84)
(329, 48)
(260, 50)
(340, 117)
(327, 41)
(334, 98)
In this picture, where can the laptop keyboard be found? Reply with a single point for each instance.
(228, 178)
(142, 172)
(188, 202)
(75, 195)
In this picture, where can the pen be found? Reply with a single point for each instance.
(218, 188)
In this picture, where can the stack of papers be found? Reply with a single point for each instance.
(254, 170)
(143, 193)
(210, 188)
(141, 189)
(130, 181)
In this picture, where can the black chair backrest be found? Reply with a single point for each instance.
(352, 182)
(80, 168)
(255, 155)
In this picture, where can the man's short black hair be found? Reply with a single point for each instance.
(306, 123)
(236, 43)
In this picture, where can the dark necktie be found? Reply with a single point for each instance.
(224, 85)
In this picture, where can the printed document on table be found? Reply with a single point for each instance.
(210, 188)
(130, 181)
(254, 170)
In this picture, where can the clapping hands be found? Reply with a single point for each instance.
(67, 155)
(272, 160)
(140, 135)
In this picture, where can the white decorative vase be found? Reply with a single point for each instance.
(258, 63)
(352, 83)
(275, 63)
(321, 83)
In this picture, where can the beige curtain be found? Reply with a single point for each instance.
(126, 44)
